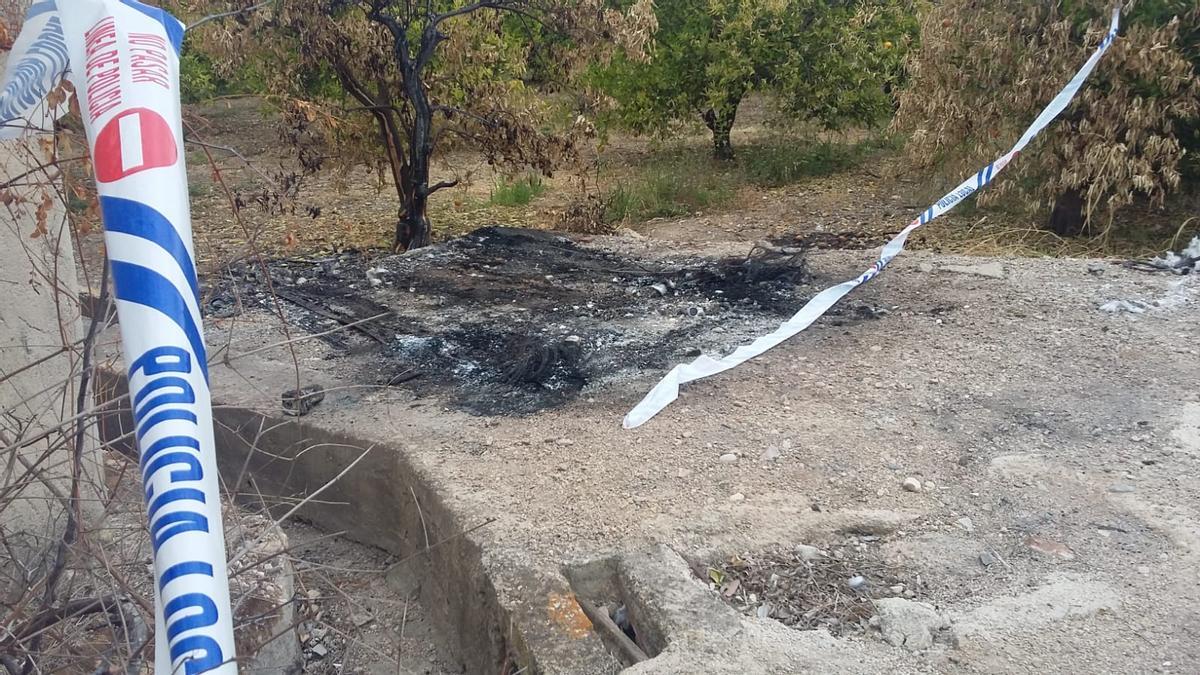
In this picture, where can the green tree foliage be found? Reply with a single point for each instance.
(987, 68)
(834, 63)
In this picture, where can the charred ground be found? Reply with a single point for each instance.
(507, 320)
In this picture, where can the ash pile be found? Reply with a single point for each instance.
(511, 321)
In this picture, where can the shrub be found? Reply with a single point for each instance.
(987, 68)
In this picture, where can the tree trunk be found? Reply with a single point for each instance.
(719, 120)
(413, 230)
(1066, 220)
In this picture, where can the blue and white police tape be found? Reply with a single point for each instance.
(124, 59)
(36, 63)
(667, 390)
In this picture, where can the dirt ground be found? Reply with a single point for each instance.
(359, 612)
(1054, 442)
(1024, 460)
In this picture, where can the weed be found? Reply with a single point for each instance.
(518, 192)
(197, 189)
(782, 161)
(674, 187)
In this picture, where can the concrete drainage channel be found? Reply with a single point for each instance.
(592, 616)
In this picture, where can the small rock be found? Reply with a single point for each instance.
(897, 589)
(857, 582)
(925, 267)
(992, 270)
(1122, 487)
(908, 624)
(771, 454)
(300, 402)
(1096, 269)
(683, 473)
(565, 441)
(361, 619)
(319, 650)
(737, 497)
(987, 559)
(729, 458)
(807, 552)
(966, 524)
(401, 579)
(911, 484)
(1049, 547)
(1118, 306)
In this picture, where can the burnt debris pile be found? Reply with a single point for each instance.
(507, 320)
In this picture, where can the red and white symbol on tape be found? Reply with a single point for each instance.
(133, 141)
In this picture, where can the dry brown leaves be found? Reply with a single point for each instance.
(986, 69)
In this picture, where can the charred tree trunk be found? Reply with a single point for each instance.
(719, 120)
(379, 103)
(413, 228)
(1067, 219)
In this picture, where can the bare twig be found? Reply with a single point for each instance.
(262, 263)
(250, 545)
(438, 543)
(74, 514)
(224, 15)
(283, 343)
(421, 515)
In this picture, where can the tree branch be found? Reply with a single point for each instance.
(235, 12)
(399, 34)
(466, 9)
(440, 186)
(48, 617)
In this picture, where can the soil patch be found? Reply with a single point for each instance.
(507, 320)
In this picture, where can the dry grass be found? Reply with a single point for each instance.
(834, 590)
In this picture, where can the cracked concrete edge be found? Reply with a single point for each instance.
(665, 600)
(496, 611)
(493, 611)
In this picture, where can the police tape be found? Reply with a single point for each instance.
(124, 59)
(36, 64)
(667, 389)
